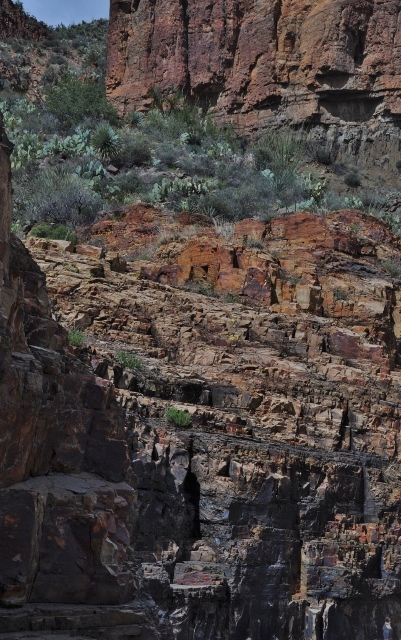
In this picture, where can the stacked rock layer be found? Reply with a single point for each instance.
(276, 512)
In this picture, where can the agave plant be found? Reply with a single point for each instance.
(106, 142)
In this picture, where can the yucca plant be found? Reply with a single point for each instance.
(135, 119)
(106, 142)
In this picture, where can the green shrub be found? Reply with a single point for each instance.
(76, 338)
(129, 182)
(56, 59)
(251, 198)
(178, 417)
(106, 142)
(282, 151)
(134, 150)
(128, 359)
(166, 154)
(352, 179)
(73, 100)
(183, 120)
(60, 232)
(61, 198)
(323, 155)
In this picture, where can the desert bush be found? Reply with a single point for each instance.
(321, 154)
(282, 151)
(129, 182)
(128, 359)
(135, 119)
(255, 243)
(251, 198)
(352, 179)
(63, 199)
(196, 164)
(134, 150)
(178, 417)
(166, 155)
(182, 120)
(72, 100)
(56, 59)
(224, 229)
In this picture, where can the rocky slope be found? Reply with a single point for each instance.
(329, 63)
(15, 23)
(276, 514)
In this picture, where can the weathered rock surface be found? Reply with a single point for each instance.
(65, 510)
(276, 514)
(330, 63)
(15, 23)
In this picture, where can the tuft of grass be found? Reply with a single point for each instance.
(128, 359)
(178, 417)
(339, 294)
(76, 337)
(255, 243)
(393, 267)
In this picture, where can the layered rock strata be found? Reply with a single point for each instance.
(332, 64)
(276, 513)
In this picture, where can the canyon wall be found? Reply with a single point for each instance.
(276, 512)
(333, 64)
(15, 23)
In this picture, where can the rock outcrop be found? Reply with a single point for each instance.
(15, 23)
(64, 504)
(276, 513)
(332, 64)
